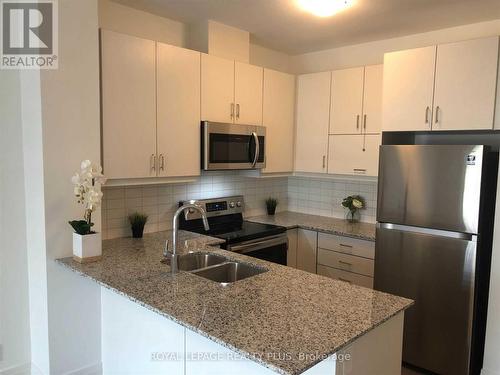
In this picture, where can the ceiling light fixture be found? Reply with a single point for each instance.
(324, 8)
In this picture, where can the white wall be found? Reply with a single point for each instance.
(269, 58)
(373, 52)
(35, 219)
(71, 133)
(14, 292)
(123, 19)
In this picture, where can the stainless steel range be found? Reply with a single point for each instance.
(225, 217)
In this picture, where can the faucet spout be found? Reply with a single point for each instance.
(175, 231)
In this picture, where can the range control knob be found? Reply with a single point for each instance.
(231, 204)
(238, 204)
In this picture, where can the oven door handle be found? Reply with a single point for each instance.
(257, 149)
(250, 246)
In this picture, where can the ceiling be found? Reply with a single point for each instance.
(281, 25)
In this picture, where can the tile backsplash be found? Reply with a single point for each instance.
(324, 197)
(159, 202)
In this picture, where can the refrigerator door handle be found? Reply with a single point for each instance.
(430, 231)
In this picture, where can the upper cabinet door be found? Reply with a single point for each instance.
(372, 99)
(178, 121)
(354, 154)
(408, 89)
(313, 107)
(217, 89)
(346, 101)
(278, 118)
(248, 80)
(128, 106)
(466, 78)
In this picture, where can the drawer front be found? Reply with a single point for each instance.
(346, 262)
(349, 277)
(346, 245)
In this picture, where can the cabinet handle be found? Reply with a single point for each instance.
(359, 171)
(162, 162)
(364, 122)
(437, 114)
(232, 110)
(357, 121)
(344, 245)
(237, 111)
(345, 280)
(427, 110)
(324, 161)
(152, 162)
(346, 263)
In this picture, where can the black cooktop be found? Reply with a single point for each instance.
(231, 228)
(243, 231)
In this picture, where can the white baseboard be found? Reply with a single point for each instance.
(485, 371)
(22, 369)
(95, 369)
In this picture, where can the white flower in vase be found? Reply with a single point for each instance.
(87, 191)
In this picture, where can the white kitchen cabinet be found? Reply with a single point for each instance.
(307, 243)
(465, 87)
(408, 89)
(178, 111)
(346, 262)
(372, 99)
(354, 154)
(278, 118)
(356, 102)
(217, 89)
(347, 245)
(348, 277)
(230, 91)
(128, 106)
(313, 107)
(346, 105)
(291, 258)
(248, 81)
(445, 87)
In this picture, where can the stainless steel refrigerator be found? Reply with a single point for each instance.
(433, 244)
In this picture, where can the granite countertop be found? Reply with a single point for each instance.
(283, 310)
(290, 220)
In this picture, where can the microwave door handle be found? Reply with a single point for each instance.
(257, 149)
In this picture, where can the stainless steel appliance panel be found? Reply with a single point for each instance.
(228, 146)
(430, 186)
(438, 272)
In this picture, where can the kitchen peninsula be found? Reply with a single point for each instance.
(280, 321)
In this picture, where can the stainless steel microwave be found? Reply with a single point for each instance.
(232, 146)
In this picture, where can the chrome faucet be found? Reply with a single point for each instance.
(175, 227)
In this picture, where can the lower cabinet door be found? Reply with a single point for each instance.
(307, 242)
(291, 257)
(354, 154)
(346, 262)
(349, 277)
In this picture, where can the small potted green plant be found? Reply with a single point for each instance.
(271, 204)
(353, 203)
(137, 223)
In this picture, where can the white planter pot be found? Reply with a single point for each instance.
(87, 248)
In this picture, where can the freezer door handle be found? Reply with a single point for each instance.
(430, 231)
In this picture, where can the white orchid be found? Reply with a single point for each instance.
(357, 203)
(87, 187)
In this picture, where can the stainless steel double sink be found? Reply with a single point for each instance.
(217, 268)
